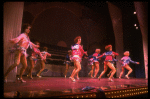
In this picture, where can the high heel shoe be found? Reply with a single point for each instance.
(20, 79)
(72, 79)
(38, 76)
(127, 76)
(99, 78)
(109, 79)
(29, 76)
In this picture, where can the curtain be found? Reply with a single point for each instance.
(12, 20)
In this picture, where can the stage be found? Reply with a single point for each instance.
(61, 87)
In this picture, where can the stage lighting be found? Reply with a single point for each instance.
(134, 24)
(134, 12)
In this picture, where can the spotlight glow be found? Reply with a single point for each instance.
(134, 12)
(134, 24)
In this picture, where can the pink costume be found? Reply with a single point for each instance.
(77, 52)
(126, 60)
(109, 56)
(91, 61)
(35, 54)
(95, 57)
(22, 43)
(44, 54)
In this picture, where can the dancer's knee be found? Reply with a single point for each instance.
(114, 70)
(79, 68)
(16, 64)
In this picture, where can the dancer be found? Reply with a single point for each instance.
(44, 54)
(22, 42)
(77, 53)
(68, 61)
(33, 59)
(109, 56)
(96, 61)
(113, 62)
(125, 64)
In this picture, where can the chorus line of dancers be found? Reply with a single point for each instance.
(22, 43)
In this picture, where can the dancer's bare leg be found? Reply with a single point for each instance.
(96, 69)
(67, 67)
(78, 65)
(91, 72)
(130, 70)
(76, 70)
(77, 75)
(16, 63)
(32, 63)
(42, 68)
(121, 72)
(103, 72)
(75, 67)
(24, 66)
(109, 73)
(111, 66)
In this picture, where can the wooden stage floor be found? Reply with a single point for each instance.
(64, 84)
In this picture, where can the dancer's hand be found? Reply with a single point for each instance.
(138, 62)
(11, 41)
(37, 46)
(85, 53)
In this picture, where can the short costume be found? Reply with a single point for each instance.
(68, 60)
(95, 57)
(22, 41)
(35, 54)
(126, 60)
(109, 56)
(77, 52)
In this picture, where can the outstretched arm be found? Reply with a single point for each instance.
(102, 55)
(32, 45)
(48, 54)
(115, 59)
(116, 54)
(134, 62)
(17, 39)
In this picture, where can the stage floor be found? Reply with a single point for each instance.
(62, 83)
